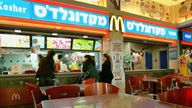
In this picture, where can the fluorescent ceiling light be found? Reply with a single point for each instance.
(85, 36)
(54, 34)
(17, 31)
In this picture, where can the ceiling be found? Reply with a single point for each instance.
(169, 2)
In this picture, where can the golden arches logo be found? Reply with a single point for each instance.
(15, 96)
(116, 23)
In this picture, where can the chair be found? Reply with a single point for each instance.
(15, 96)
(164, 82)
(63, 91)
(30, 72)
(36, 94)
(100, 88)
(181, 96)
(88, 81)
(135, 84)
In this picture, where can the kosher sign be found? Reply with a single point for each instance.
(15, 8)
(149, 29)
(187, 36)
(37, 11)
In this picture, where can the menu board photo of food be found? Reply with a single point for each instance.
(58, 43)
(38, 41)
(98, 45)
(15, 41)
(82, 44)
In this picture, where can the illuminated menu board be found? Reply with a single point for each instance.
(38, 41)
(58, 43)
(98, 45)
(15, 41)
(82, 44)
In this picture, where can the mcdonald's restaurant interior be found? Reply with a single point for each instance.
(95, 53)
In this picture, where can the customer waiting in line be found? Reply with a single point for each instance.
(106, 72)
(46, 70)
(89, 68)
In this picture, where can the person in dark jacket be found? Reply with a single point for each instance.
(89, 68)
(46, 70)
(106, 74)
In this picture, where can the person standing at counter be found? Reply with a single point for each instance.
(89, 68)
(46, 70)
(106, 74)
(58, 63)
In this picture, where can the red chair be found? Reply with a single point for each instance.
(75, 70)
(181, 96)
(63, 91)
(88, 81)
(15, 96)
(100, 88)
(164, 82)
(36, 94)
(135, 84)
(177, 81)
(30, 72)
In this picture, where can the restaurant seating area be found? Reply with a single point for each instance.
(168, 90)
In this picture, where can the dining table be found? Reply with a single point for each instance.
(106, 101)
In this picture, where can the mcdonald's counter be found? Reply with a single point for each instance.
(18, 80)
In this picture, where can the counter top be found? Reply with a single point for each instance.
(28, 75)
(146, 70)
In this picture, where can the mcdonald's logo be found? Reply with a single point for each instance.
(15, 96)
(116, 23)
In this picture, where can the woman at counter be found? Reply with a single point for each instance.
(46, 70)
(89, 68)
(106, 73)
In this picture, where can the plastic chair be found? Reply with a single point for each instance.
(36, 94)
(100, 89)
(164, 82)
(30, 72)
(88, 81)
(181, 96)
(15, 96)
(135, 84)
(63, 91)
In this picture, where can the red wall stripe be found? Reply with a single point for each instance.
(186, 43)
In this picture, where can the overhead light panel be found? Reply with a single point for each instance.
(17, 31)
(54, 34)
(85, 36)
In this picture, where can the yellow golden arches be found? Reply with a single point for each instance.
(116, 23)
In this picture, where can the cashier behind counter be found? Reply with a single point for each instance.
(69, 66)
(68, 63)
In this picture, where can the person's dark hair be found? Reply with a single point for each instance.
(59, 56)
(40, 56)
(89, 59)
(50, 54)
(107, 56)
